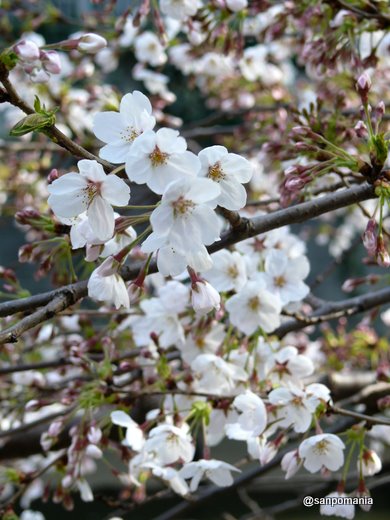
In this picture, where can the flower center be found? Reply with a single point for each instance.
(158, 158)
(321, 447)
(232, 271)
(216, 173)
(254, 303)
(200, 343)
(129, 134)
(182, 207)
(279, 281)
(91, 190)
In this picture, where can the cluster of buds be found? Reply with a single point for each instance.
(39, 64)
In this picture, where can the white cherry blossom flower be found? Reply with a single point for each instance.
(215, 375)
(161, 316)
(290, 367)
(148, 49)
(196, 344)
(294, 408)
(342, 510)
(170, 443)
(236, 5)
(371, 463)
(284, 276)
(291, 463)
(92, 191)
(217, 471)
(204, 298)
(134, 435)
(180, 9)
(228, 271)
(230, 171)
(184, 221)
(323, 450)
(173, 478)
(160, 158)
(120, 129)
(253, 307)
(106, 284)
(252, 420)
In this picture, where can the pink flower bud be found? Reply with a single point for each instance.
(51, 61)
(91, 43)
(361, 129)
(370, 237)
(381, 253)
(27, 50)
(363, 86)
(295, 183)
(363, 83)
(53, 176)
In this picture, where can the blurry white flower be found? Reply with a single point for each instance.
(180, 9)
(228, 271)
(338, 509)
(105, 284)
(217, 471)
(170, 443)
(253, 307)
(252, 420)
(215, 375)
(204, 297)
(371, 463)
(148, 49)
(134, 435)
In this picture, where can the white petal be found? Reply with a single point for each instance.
(101, 218)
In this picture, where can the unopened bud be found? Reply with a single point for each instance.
(370, 237)
(363, 86)
(361, 129)
(381, 253)
(27, 50)
(53, 176)
(51, 61)
(91, 43)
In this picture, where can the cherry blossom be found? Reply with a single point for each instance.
(134, 435)
(284, 276)
(217, 471)
(252, 420)
(160, 158)
(121, 129)
(290, 463)
(323, 450)
(92, 191)
(170, 443)
(148, 49)
(106, 284)
(215, 375)
(202, 343)
(371, 463)
(230, 171)
(184, 221)
(180, 9)
(342, 510)
(253, 307)
(228, 271)
(204, 297)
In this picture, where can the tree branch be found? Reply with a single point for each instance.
(334, 310)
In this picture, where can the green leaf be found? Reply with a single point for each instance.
(380, 148)
(9, 59)
(32, 122)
